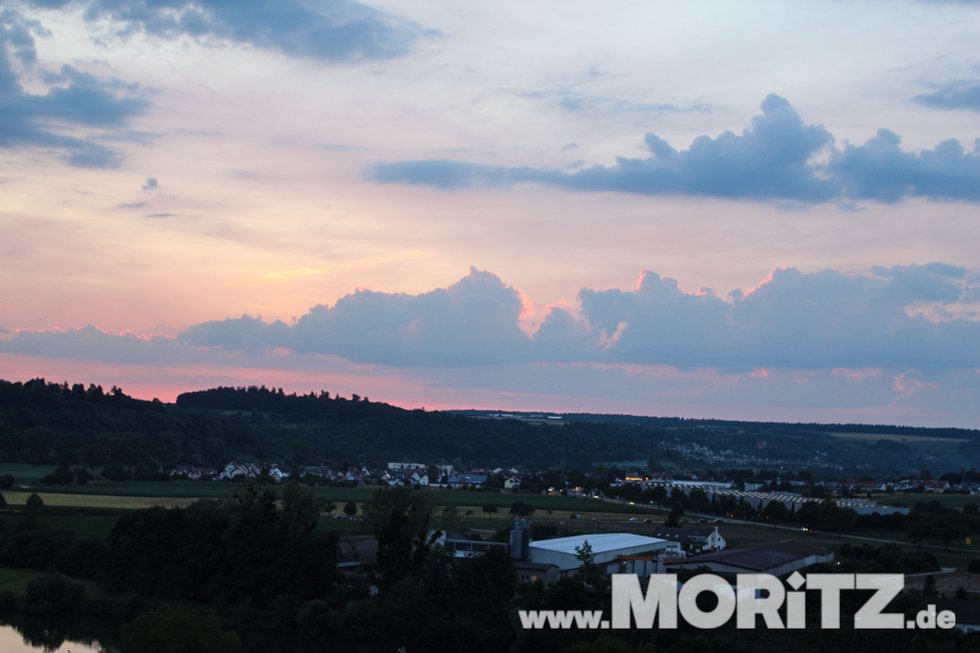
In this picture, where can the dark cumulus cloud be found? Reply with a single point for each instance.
(777, 157)
(471, 322)
(74, 101)
(890, 318)
(245, 332)
(958, 94)
(881, 170)
(817, 320)
(792, 320)
(340, 30)
(91, 343)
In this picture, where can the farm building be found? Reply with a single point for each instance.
(614, 552)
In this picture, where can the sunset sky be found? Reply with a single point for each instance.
(753, 210)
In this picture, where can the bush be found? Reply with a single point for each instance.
(8, 602)
(314, 618)
(82, 558)
(177, 630)
(115, 473)
(62, 475)
(52, 595)
(34, 503)
(33, 547)
(284, 609)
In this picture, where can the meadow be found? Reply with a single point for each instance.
(910, 499)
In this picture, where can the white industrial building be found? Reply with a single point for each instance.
(615, 552)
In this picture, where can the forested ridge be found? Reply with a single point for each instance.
(48, 423)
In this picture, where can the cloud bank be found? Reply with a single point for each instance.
(889, 318)
(471, 322)
(777, 157)
(958, 94)
(74, 102)
(334, 30)
(78, 110)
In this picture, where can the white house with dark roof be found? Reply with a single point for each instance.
(692, 539)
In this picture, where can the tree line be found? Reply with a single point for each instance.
(119, 437)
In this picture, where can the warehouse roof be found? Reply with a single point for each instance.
(600, 542)
(759, 557)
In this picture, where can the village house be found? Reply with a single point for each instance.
(234, 470)
(691, 539)
(463, 481)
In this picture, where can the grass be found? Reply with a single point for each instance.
(912, 498)
(109, 502)
(95, 500)
(743, 534)
(25, 473)
(192, 489)
(160, 490)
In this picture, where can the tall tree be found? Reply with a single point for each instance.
(400, 518)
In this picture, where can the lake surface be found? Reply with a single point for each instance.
(55, 635)
(13, 642)
(59, 635)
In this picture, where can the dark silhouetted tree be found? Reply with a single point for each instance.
(171, 629)
(34, 503)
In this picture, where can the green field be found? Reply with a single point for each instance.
(160, 491)
(109, 502)
(92, 510)
(25, 473)
(910, 499)
(193, 489)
